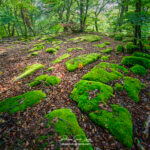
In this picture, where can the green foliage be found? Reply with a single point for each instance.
(118, 87)
(48, 80)
(80, 61)
(29, 70)
(51, 50)
(34, 54)
(133, 60)
(36, 48)
(66, 124)
(88, 94)
(74, 49)
(130, 47)
(140, 54)
(120, 48)
(107, 51)
(100, 45)
(139, 70)
(21, 102)
(105, 58)
(105, 72)
(118, 122)
(133, 87)
(64, 56)
(118, 37)
(90, 38)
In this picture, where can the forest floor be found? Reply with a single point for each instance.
(21, 130)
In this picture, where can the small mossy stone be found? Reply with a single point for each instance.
(29, 70)
(51, 50)
(88, 94)
(57, 47)
(67, 125)
(82, 60)
(120, 48)
(59, 59)
(107, 43)
(74, 49)
(105, 58)
(133, 60)
(50, 68)
(118, 87)
(52, 80)
(140, 54)
(139, 70)
(133, 87)
(105, 72)
(34, 54)
(108, 50)
(21, 102)
(100, 45)
(130, 47)
(118, 122)
(90, 38)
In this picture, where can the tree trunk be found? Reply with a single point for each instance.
(96, 24)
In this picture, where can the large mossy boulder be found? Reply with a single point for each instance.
(133, 60)
(88, 94)
(66, 125)
(133, 87)
(81, 61)
(118, 122)
(29, 70)
(21, 102)
(105, 72)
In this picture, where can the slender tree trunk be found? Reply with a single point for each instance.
(96, 23)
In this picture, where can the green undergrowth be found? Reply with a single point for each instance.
(59, 59)
(120, 48)
(118, 37)
(133, 60)
(105, 58)
(118, 122)
(90, 38)
(139, 70)
(133, 87)
(130, 47)
(108, 50)
(21, 102)
(29, 70)
(80, 61)
(140, 54)
(48, 80)
(66, 125)
(88, 94)
(105, 72)
(74, 49)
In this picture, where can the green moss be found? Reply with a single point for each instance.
(100, 45)
(21, 102)
(133, 60)
(29, 70)
(36, 49)
(108, 50)
(1, 72)
(105, 72)
(57, 47)
(130, 47)
(118, 37)
(133, 87)
(140, 54)
(82, 60)
(50, 68)
(74, 49)
(51, 50)
(120, 48)
(118, 87)
(48, 80)
(88, 94)
(90, 38)
(58, 42)
(105, 58)
(34, 54)
(118, 122)
(66, 124)
(139, 70)
(64, 56)
(107, 43)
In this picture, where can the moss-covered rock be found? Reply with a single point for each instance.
(118, 87)
(120, 48)
(57, 47)
(140, 54)
(29, 70)
(105, 72)
(48, 80)
(108, 50)
(88, 94)
(105, 58)
(118, 37)
(34, 54)
(118, 122)
(57, 42)
(130, 47)
(100, 45)
(59, 59)
(66, 124)
(38, 48)
(139, 70)
(21, 102)
(107, 43)
(82, 60)
(51, 50)
(50, 68)
(90, 38)
(133, 87)
(74, 49)
(133, 60)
